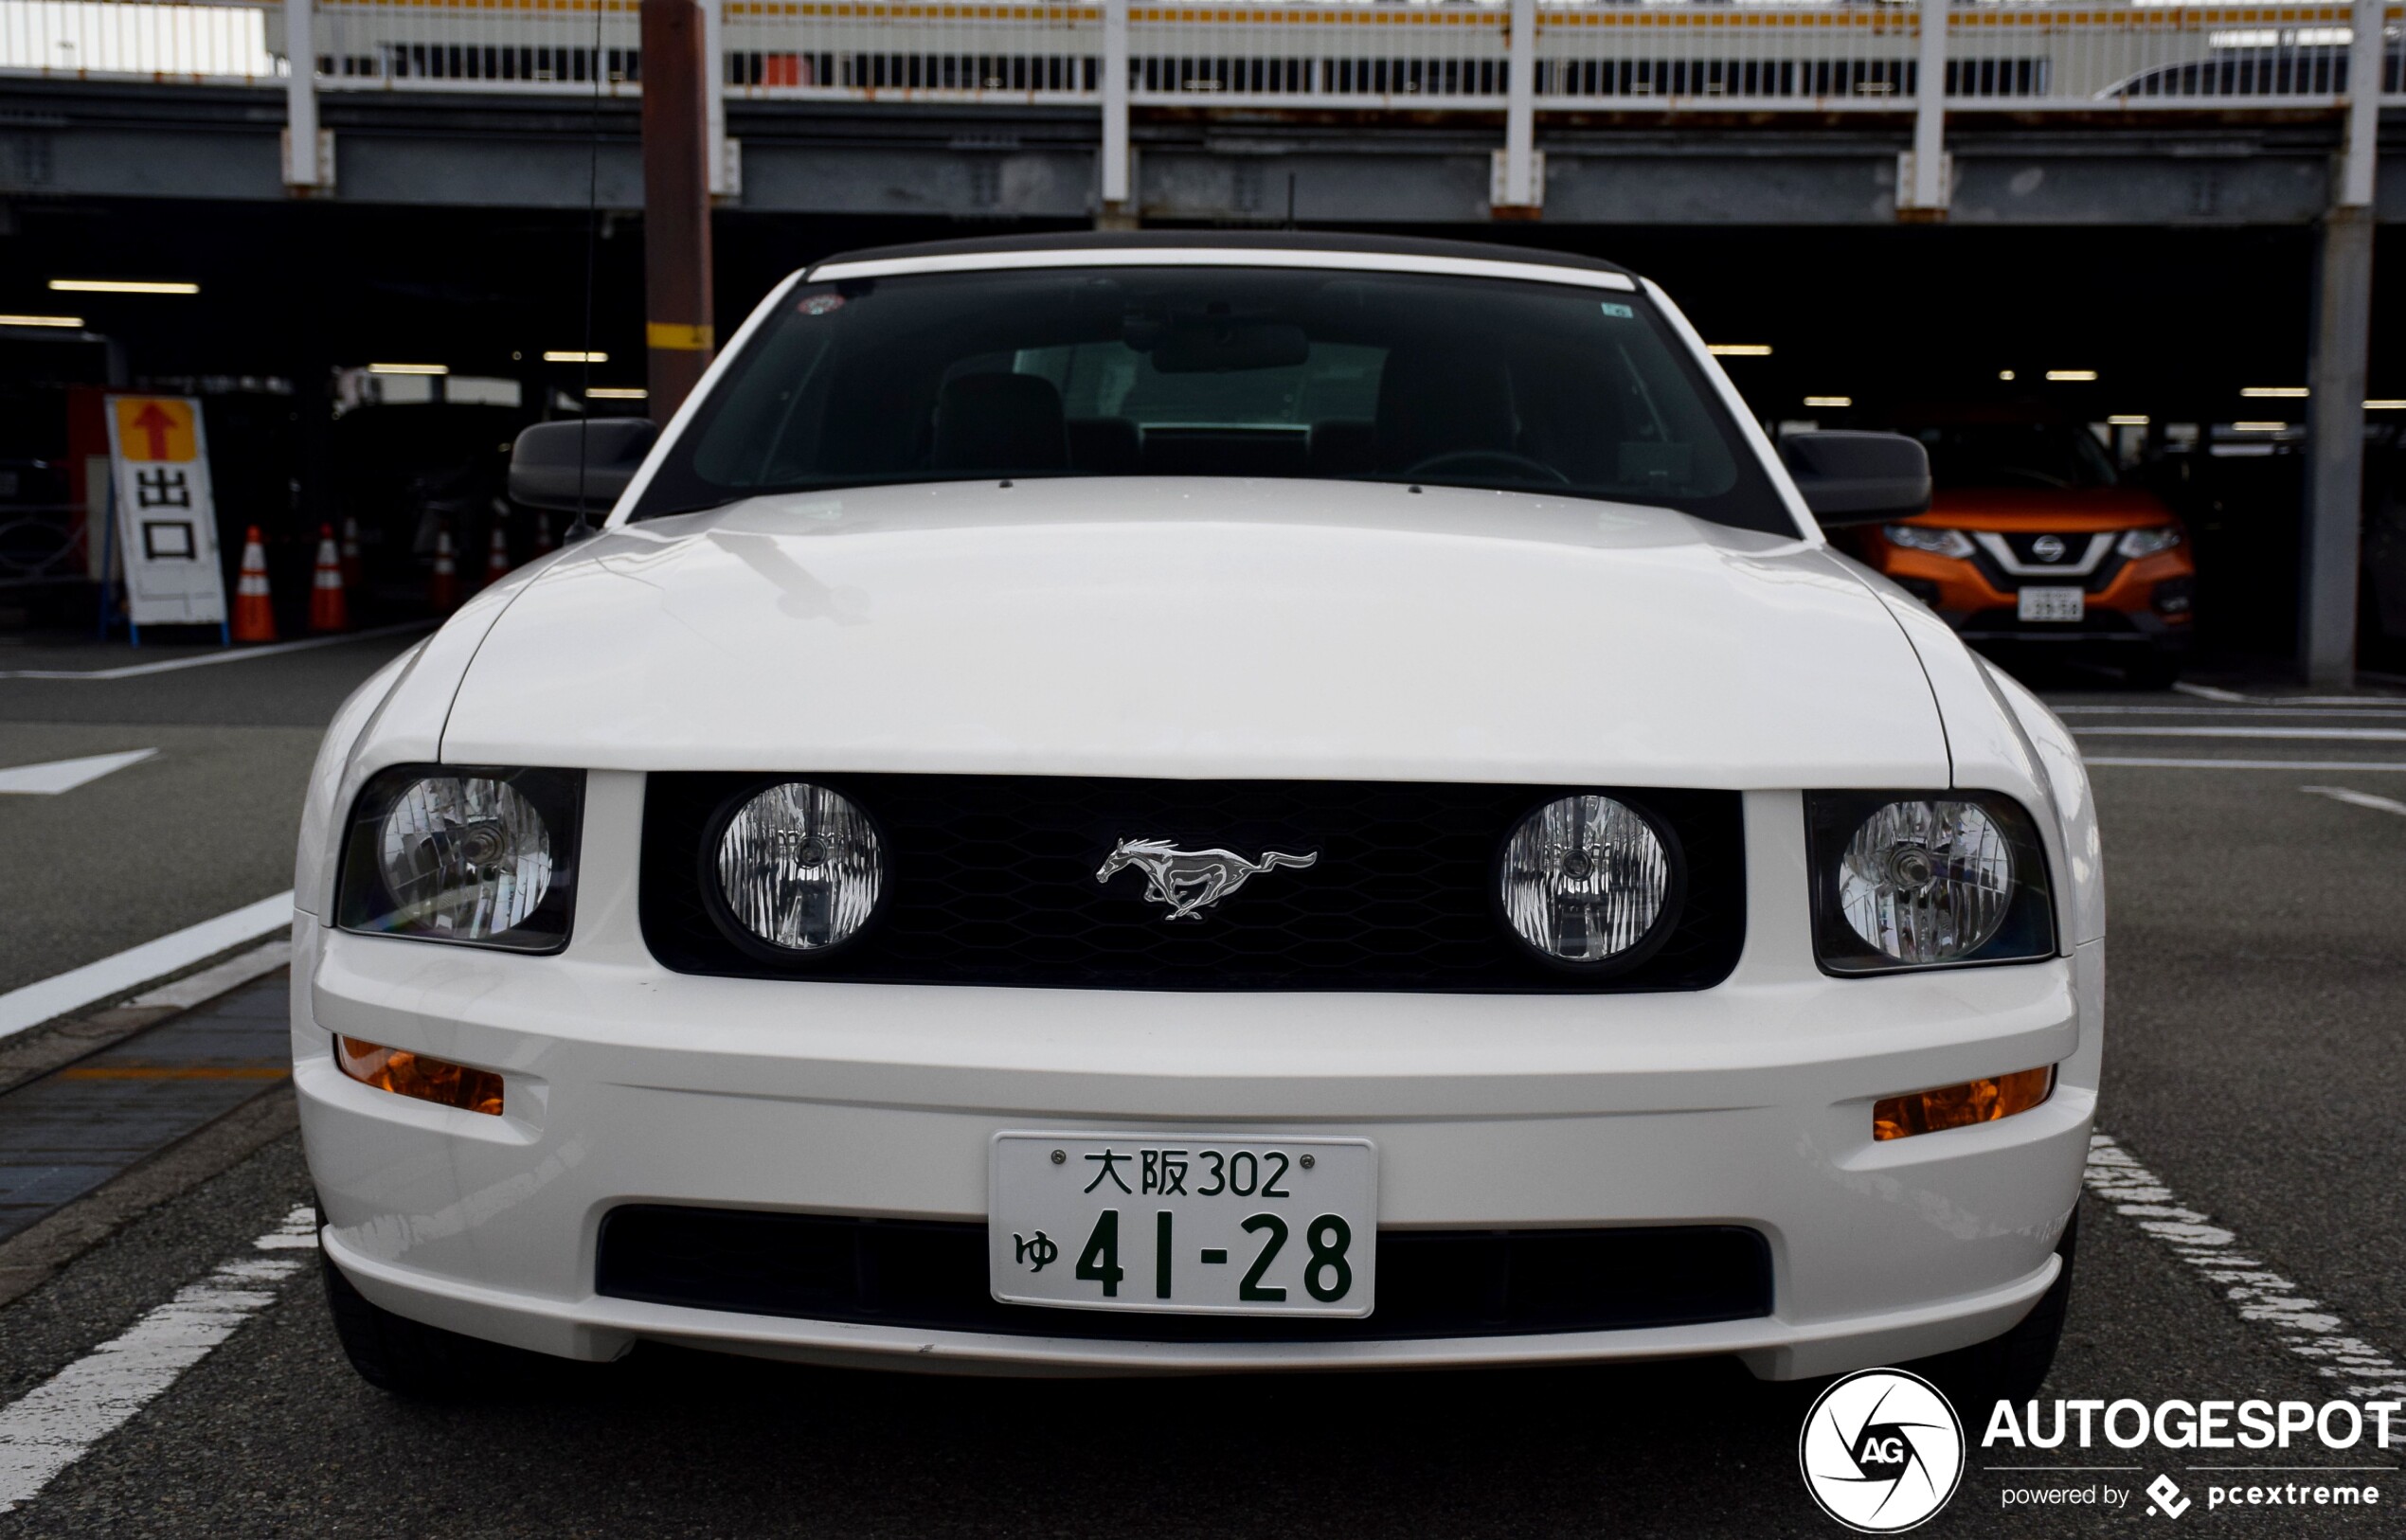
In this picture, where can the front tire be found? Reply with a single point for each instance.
(418, 1362)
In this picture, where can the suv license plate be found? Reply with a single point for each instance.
(2052, 604)
(1188, 1224)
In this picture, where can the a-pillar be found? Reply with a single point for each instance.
(2342, 343)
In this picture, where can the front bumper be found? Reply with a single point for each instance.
(1748, 1105)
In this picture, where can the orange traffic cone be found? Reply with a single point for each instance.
(354, 567)
(253, 613)
(442, 589)
(497, 559)
(327, 609)
(545, 540)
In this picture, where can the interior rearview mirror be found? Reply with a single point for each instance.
(580, 465)
(1850, 477)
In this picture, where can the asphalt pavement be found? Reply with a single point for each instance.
(2257, 984)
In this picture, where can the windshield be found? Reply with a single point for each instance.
(2050, 455)
(1522, 386)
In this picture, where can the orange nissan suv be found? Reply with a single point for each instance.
(2032, 536)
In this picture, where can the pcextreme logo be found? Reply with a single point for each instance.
(1882, 1451)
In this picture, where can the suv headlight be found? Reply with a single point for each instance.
(1905, 880)
(1914, 537)
(2137, 543)
(472, 855)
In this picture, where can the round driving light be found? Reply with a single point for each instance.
(465, 857)
(1585, 880)
(800, 868)
(1926, 881)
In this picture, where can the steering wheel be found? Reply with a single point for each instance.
(1458, 460)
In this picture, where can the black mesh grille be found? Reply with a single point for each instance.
(1431, 1284)
(993, 882)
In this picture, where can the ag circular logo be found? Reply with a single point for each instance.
(1882, 1451)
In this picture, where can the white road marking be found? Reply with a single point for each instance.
(2359, 800)
(2142, 764)
(2303, 1325)
(2208, 693)
(240, 654)
(51, 1426)
(66, 774)
(110, 976)
(2227, 713)
(2333, 735)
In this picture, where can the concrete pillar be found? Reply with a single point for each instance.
(1521, 189)
(725, 154)
(1921, 173)
(1114, 200)
(308, 158)
(2333, 535)
(678, 328)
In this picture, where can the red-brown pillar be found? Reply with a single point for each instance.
(676, 202)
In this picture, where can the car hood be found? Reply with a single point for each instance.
(1204, 628)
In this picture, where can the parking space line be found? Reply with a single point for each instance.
(2350, 766)
(242, 654)
(2303, 1325)
(2359, 800)
(36, 1003)
(2332, 735)
(51, 1426)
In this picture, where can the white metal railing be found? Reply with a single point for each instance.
(1442, 55)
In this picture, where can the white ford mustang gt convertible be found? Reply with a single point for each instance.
(1217, 802)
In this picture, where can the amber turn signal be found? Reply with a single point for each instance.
(430, 1079)
(1960, 1106)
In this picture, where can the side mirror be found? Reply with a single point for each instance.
(573, 466)
(1853, 477)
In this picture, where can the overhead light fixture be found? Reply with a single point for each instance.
(409, 368)
(69, 322)
(1829, 401)
(2275, 392)
(570, 355)
(2005, 374)
(617, 393)
(1738, 350)
(120, 286)
(2072, 376)
(2127, 419)
(2385, 406)
(2258, 427)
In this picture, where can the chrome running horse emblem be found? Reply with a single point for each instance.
(1192, 881)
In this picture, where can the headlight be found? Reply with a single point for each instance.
(481, 856)
(1589, 881)
(1905, 880)
(2137, 543)
(1913, 537)
(796, 868)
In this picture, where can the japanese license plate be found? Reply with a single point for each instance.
(2052, 604)
(1194, 1224)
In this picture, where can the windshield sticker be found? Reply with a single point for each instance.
(1619, 313)
(821, 305)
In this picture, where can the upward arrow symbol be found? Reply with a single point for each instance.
(155, 423)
